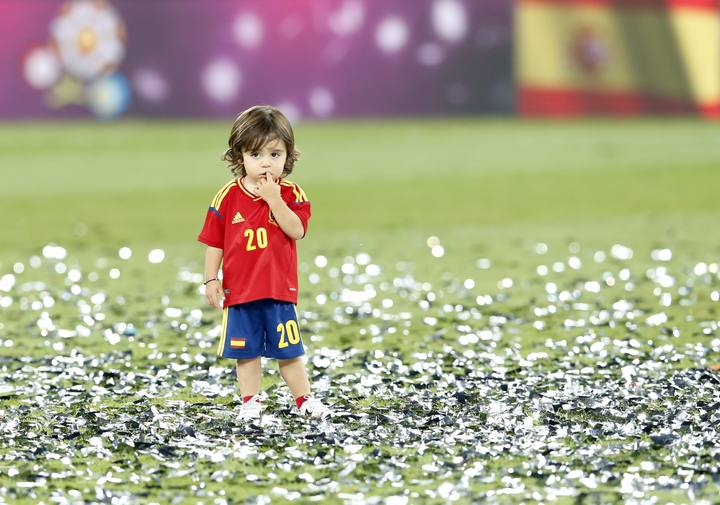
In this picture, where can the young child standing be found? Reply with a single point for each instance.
(251, 228)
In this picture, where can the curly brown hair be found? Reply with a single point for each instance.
(254, 128)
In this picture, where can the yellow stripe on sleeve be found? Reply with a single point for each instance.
(220, 195)
(217, 195)
(300, 195)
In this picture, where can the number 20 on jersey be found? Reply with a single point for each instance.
(256, 239)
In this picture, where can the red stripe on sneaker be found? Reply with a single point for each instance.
(301, 399)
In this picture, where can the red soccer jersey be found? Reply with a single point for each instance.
(259, 260)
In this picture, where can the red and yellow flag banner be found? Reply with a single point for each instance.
(625, 57)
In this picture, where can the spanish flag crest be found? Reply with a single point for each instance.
(237, 343)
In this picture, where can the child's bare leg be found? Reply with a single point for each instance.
(295, 376)
(249, 372)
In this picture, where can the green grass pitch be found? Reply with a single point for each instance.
(558, 347)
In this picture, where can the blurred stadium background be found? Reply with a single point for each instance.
(324, 59)
(490, 64)
(317, 59)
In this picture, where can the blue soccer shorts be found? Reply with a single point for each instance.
(260, 328)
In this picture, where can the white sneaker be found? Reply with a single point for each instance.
(312, 407)
(251, 411)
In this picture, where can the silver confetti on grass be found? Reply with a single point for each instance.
(602, 405)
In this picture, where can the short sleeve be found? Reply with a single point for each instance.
(298, 202)
(213, 230)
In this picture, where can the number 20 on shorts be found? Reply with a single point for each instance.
(256, 239)
(291, 330)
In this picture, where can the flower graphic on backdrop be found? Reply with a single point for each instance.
(89, 37)
(78, 65)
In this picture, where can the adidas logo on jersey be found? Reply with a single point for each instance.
(238, 218)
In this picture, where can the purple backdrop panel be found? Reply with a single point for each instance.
(314, 58)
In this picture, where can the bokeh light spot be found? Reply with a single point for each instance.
(291, 111)
(248, 30)
(150, 85)
(54, 252)
(321, 101)
(125, 253)
(41, 68)
(432, 241)
(221, 80)
(392, 34)
(156, 256)
(449, 20)
(348, 18)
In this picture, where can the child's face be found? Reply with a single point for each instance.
(270, 159)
